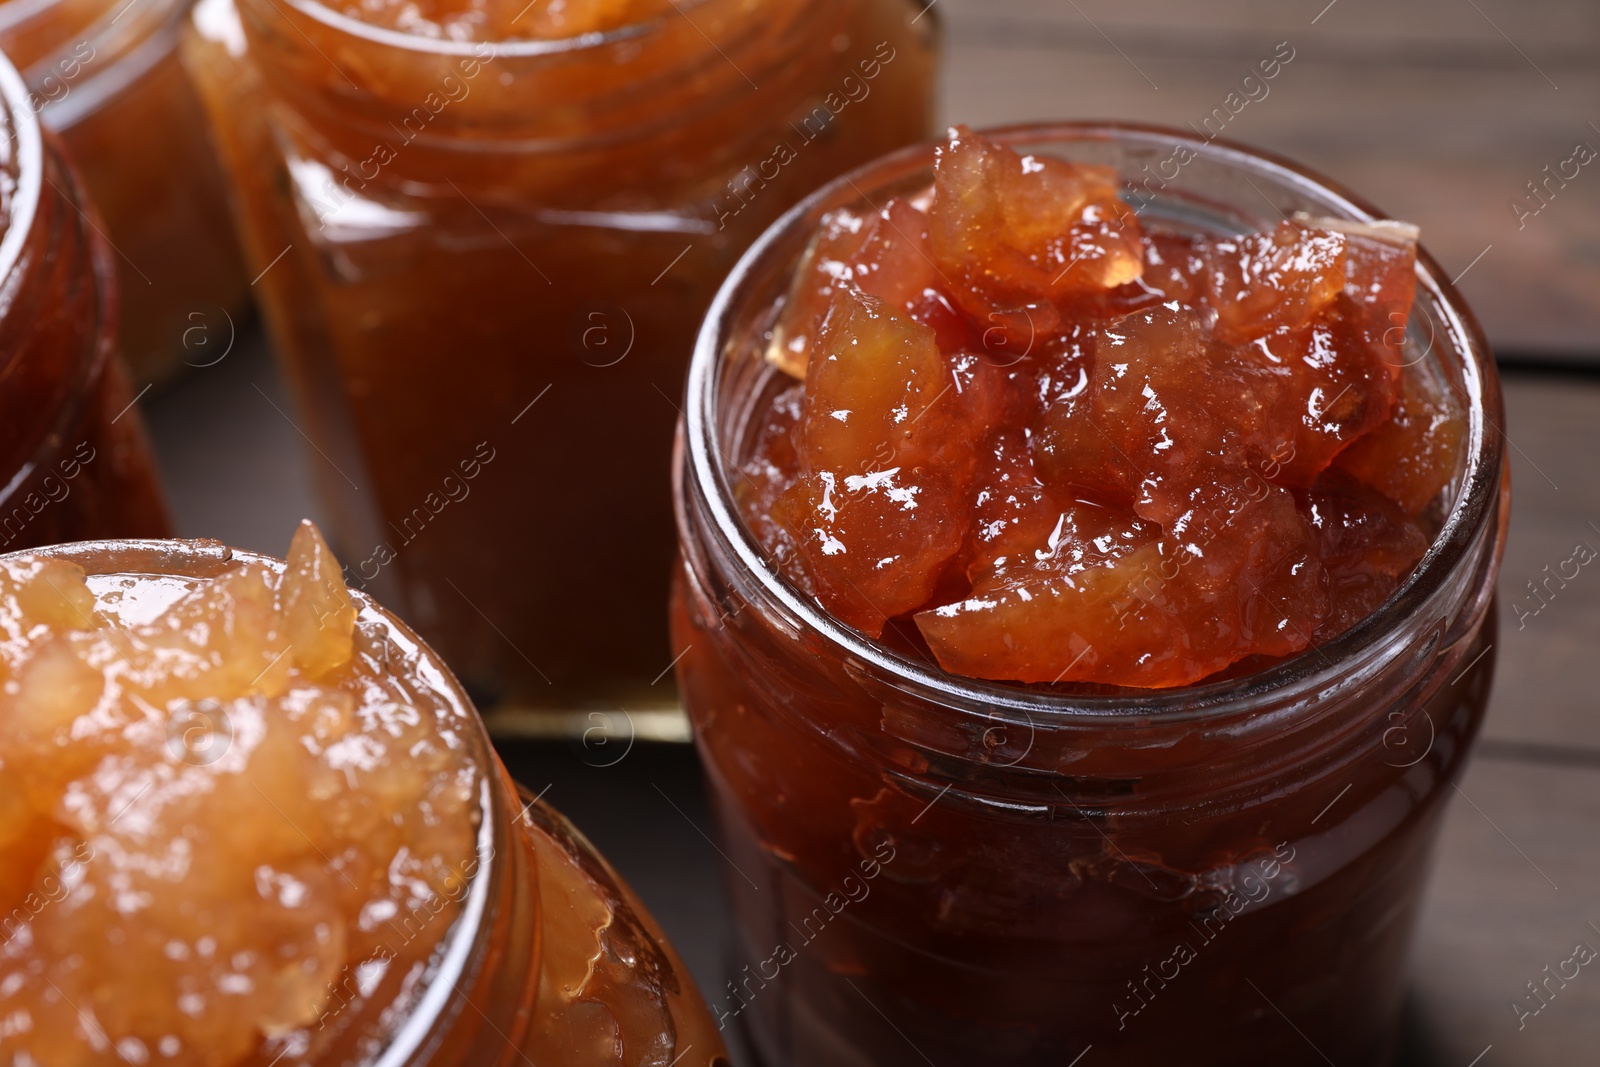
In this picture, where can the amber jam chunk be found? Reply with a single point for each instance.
(220, 814)
(1051, 444)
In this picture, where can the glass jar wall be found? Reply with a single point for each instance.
(74, 462)
(105, 75)
(484, 266)
(957, 871)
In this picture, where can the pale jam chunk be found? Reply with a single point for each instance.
(1282, 279)
(876, 509)
(883, 254)
(1154, 455)
(222, 819)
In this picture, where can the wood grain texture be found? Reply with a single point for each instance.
(1424, 108)
(1547, 691)
(1515, 888)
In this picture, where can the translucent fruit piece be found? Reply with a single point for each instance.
(881, 253)
(1281, 279)
(1009, 230)
(1012, 511)
(877, 510)
(1381, 278)
(771, 469)
(1071, 448)
(1367, 546)
(1413, 456)
(604, 983)
(1175, 267)
(1160, 402)
(318, 614)
(1336, 385)
(1102, 599)
(828, 264)
(47, 591)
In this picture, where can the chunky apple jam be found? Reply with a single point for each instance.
(217, 802)
(1084, 610)
(1056, 445)
(245, 818)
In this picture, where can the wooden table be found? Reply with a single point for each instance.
(1438, 110)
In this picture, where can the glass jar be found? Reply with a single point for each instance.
(991, 873)
(484, 267)
(550, 958)
(74, 462)
(105, 75)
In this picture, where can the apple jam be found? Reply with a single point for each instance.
(248, 818)
(488, 233)
(74, 461)
(1057, 448)
(1085, 605)
(107, 78)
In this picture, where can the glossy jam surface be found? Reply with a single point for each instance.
(502, 20)
(1047, 444)
(224, 817)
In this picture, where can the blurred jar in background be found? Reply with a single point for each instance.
(105, 75)
(74, 462)
(487, 239)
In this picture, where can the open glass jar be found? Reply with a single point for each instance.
(74, 462)
(484, 264)
(493, 934)
(106, 76)
(957, 871)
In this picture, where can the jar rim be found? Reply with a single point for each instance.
(28, 138)
(460, 943)
(1316, 667)
(515, 49)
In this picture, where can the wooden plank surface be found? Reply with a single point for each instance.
(1423, 107)
(1514, 890)
(1547, 692)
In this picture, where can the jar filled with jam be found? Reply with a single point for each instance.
(248, 817)
(73, 456)
(488, 233)
(1089, 536)
(105, 75)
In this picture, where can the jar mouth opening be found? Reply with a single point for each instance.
(705, 469)
(27, 163)
(461, 943)
(513, 49)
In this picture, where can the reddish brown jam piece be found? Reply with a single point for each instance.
(876, 506)
(1074, 449)
(1013, 231)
